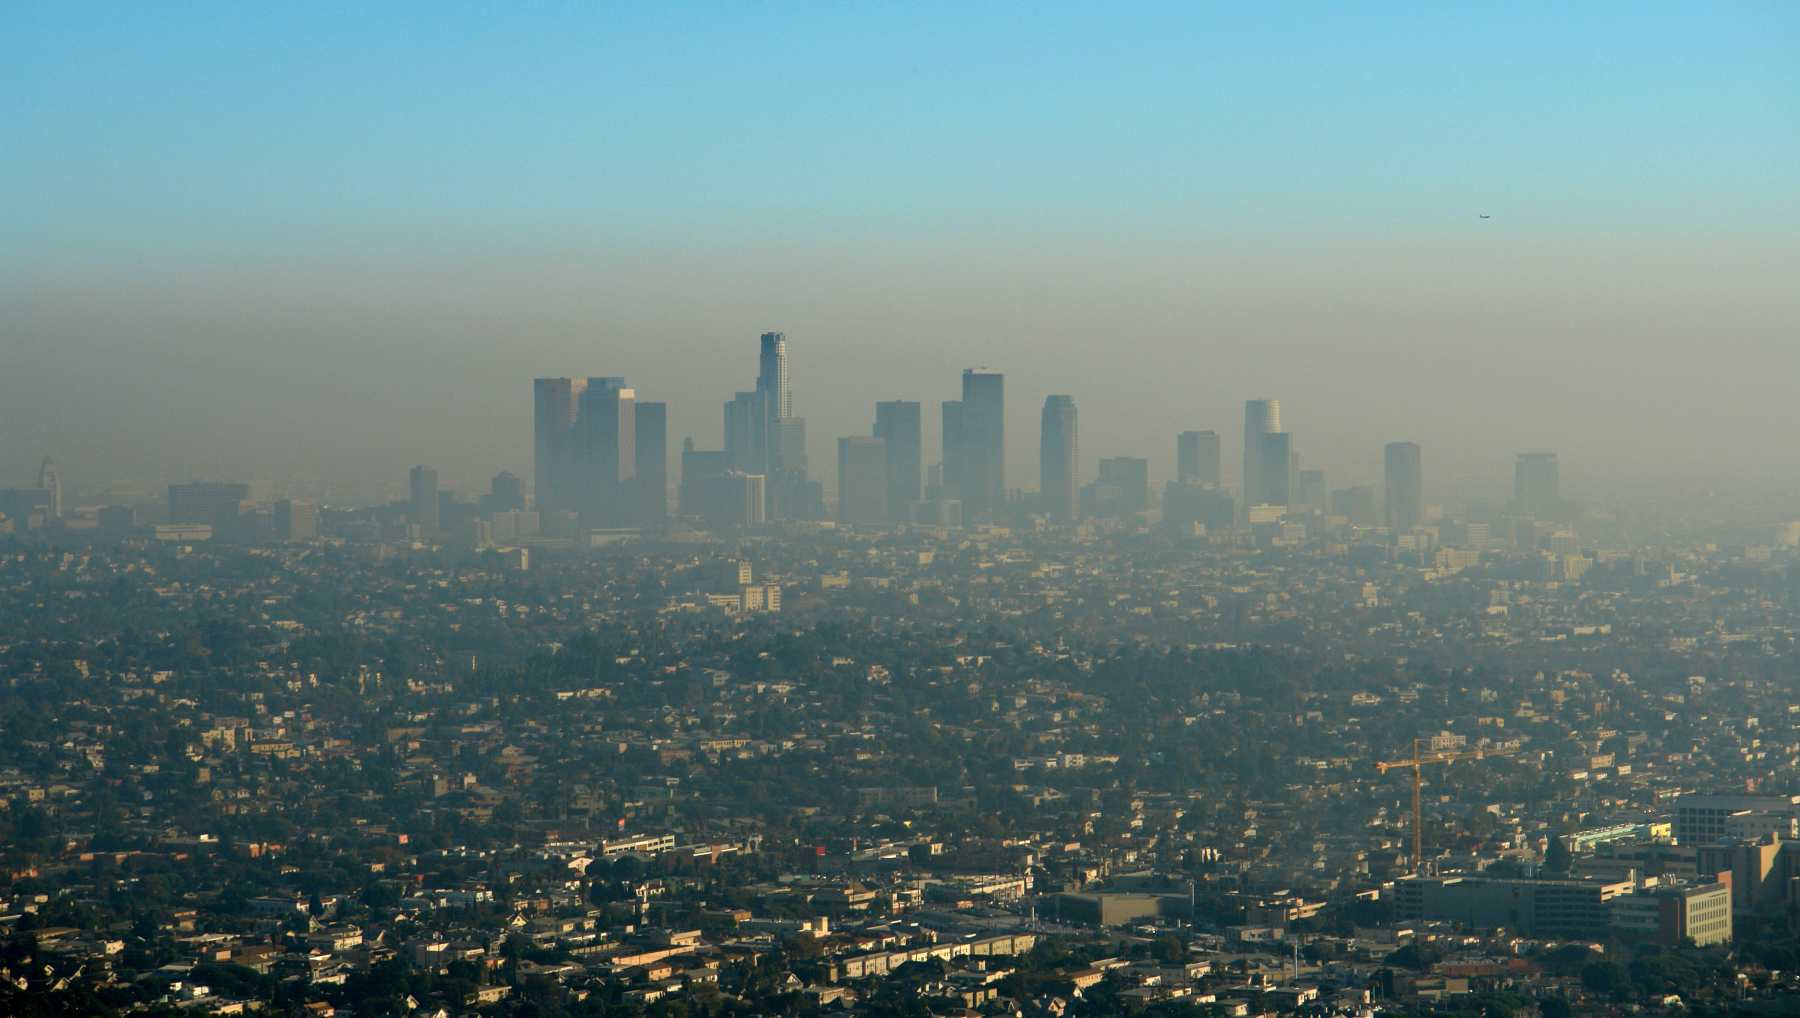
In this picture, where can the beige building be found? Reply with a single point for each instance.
(1671, 915)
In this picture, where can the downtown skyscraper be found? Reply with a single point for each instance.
(590, 461)
(556, 459)
(951, 436)
(897, 422)
(650, 461)
(1261, 417)
(980, 464)
(1274, 464)
(1268, 456)
(1059, 458)
(772, 381)
(1197, 457)
(757, 420)
(606, 431)
(1121, 490)
(862, 481)
(422, 500)
(1196, 497)
(763, 437)
(1404, 486)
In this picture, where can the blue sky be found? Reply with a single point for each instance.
(369, 225)
(147, 127)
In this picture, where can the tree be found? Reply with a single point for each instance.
(1566, 960)
(1556, 858)
(628, 868)
(378, 894)
(1606, 977)
(1417, 957)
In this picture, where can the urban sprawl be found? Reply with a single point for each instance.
(624, 743)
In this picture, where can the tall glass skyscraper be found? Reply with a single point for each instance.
(1197, 457)
(422, 500)
(983, 482)
(606, 431)
(556, 405)
(651, 461)
(763, 437)
(772, 377)
(897, 422)
(952, 435)
(1274, 463)
(862, 481)
(1059, 459)
(1405, 488)
(1260, 418)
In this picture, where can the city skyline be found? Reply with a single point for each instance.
(562, 429)
(321, 281)
(564, 434)
(857, 511)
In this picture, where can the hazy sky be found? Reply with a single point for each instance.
(330, 242)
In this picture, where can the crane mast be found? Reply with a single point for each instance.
(1416, 764)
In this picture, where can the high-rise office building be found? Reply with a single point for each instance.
(1261, 417)
(750, 494)
(787, 446)
(772, 377)
(588, 452)
(897, 422)
(950, 468)
(1112, 495)
(753, 419)
(422, 500)
(762, 435)
(296, 519)
(862, 481)
(1537, 483)
(1273, 480)
(607, 437)
(699, 470)
(1197, 457)
(556, 453)
(1404, 486)
(746, 432)
(1131, 476)
(1309, 490)
(1355, 504)
(49, 478)
(506, 494)
(983, 483)
(1059, 459)
(792, 495)
(650, 461)
(735, 498)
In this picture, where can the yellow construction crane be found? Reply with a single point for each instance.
(1417, 764)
